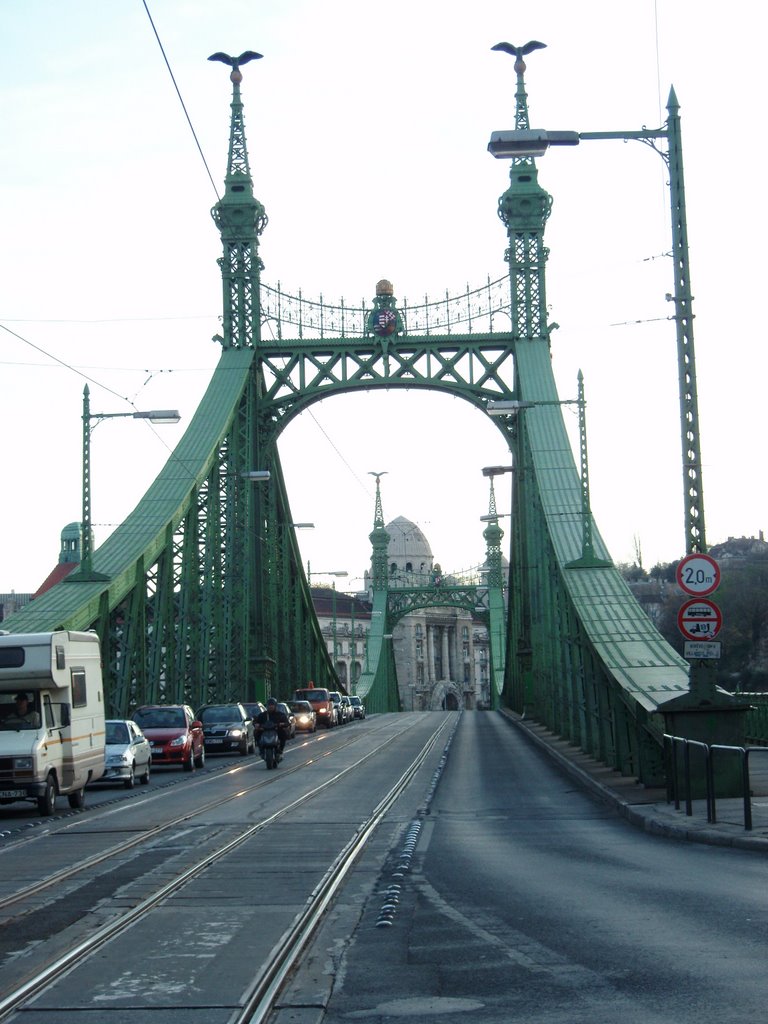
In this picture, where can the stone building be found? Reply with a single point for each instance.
(441, 654)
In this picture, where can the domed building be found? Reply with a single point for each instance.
(441, 654)
(409, 554)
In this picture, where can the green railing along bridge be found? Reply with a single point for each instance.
(200, 594)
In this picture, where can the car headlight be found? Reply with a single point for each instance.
(235, 733)
(178, 742)
(323, 711)
(118, 759)
(23, 763)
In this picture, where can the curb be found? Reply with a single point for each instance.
(648, 822)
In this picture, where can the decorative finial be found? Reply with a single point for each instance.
(518, 52)
(235, 62)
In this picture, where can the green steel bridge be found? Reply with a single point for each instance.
(200, 594)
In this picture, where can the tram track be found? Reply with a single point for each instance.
(148, 835)
(47, 973)
(266, 987)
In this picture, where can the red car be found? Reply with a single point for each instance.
(175, 735)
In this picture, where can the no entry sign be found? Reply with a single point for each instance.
(698, 575)
(699, 620)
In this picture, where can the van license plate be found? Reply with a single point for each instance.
(12, 794)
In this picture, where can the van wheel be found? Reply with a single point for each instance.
(130, 782)
(47, 802)
(77, 799)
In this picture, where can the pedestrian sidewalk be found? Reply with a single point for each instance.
(648, 808)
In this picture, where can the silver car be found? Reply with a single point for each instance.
(128, 756)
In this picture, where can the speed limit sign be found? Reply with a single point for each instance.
(698, 575)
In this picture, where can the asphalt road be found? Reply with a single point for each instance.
(528, 901)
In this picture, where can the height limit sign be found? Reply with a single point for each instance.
(698, 575)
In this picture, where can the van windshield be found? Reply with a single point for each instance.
(313, 696)
(20, 711)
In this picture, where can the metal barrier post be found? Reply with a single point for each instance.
(687, 763)
(747, 792)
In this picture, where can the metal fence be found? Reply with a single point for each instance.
(689, 763)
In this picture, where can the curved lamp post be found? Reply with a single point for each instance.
(86, 574)
(529, 142)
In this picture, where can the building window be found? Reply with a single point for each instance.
(465, 632)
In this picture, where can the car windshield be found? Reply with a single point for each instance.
(160, 718)
(301, 707)
(219, 715)
(355, 701)
(117, 732)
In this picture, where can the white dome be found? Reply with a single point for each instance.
(406, 540)
(408, 554)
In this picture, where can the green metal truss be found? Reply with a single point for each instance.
(205, 595)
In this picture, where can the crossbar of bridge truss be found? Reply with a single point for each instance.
(287, 315)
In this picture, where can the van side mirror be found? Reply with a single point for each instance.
(66, 715)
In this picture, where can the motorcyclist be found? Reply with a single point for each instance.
(273, 715)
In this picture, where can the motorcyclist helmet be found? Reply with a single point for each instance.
(272, 702)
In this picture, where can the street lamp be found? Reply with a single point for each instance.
(330, 572)
(528, 142)
(86, 574)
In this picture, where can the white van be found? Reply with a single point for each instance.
(51, 717)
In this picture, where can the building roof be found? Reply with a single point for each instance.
(347, 605)
(406, 540)
(61, 570)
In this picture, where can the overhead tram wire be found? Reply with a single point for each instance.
(181, 101)
(67, 366)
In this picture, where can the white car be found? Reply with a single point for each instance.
(128, 755)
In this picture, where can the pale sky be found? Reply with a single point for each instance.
(367, 126)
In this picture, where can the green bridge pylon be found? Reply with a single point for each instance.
(205, 595)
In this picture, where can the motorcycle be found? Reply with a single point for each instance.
(269, 745)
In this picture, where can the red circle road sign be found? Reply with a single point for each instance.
(698, 575)
(699, 619)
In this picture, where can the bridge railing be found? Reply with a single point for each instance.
(284, 314)
(696, 769)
